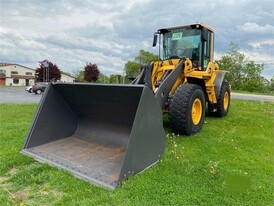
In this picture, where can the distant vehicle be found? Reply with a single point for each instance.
(39, 87)
(29, 89)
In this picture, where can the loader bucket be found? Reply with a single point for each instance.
(102, 133)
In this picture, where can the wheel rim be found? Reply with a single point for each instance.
(196, 111)
(226, 100)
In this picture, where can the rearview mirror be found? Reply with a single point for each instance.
(155, 38)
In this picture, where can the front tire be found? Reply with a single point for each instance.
(187, 109)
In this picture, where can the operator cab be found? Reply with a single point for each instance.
(192, 41)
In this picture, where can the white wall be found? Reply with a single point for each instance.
(66, 78)
(21, 75)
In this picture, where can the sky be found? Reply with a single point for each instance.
(71, 33)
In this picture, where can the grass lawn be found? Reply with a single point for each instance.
(230, 162)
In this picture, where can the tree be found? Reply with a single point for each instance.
(132, 68)
(54, 72)
(115, 79)
(271, 85)
(102, 78)
(112, 79)
(91, 72)
(146, 57)
(243, 73)
(79, 75)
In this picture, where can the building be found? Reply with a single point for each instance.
(12, 74)
(65, 77)
(16, 75)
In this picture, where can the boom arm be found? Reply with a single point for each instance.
(162, 92)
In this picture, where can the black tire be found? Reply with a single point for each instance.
(187, 109)
(223, 101)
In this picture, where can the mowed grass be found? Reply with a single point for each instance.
(230, 162)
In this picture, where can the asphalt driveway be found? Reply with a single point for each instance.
(265, 98)
(18, 95)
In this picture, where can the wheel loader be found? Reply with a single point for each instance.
(106, 133)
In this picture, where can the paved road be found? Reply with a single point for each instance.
(255, 97)
(19, 95)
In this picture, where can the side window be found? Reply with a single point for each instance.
(2, 71)
(207, 50)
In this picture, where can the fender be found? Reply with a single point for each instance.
(218, 82)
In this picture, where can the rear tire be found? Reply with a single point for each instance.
(223, 101)
(187, 109)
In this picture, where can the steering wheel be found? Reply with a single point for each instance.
(180, 52)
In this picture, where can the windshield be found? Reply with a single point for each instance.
(181, 43)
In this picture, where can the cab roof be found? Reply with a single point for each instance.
(192, 26)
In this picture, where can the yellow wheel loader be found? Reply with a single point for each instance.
(107, 133)
(186, 79)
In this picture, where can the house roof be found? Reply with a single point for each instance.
(3, 64)
(68, 74)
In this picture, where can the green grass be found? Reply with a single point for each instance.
(230, 162)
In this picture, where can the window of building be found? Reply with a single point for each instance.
(28, 73)
(14, 72)
(2, 71)
(15, 81)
